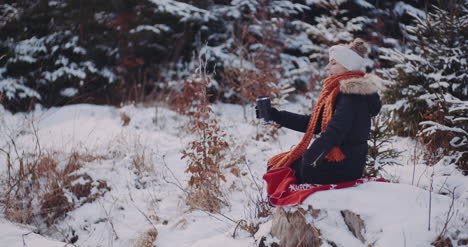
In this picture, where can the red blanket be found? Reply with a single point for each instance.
(283, 190)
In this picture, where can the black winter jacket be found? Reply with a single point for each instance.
(348, 129)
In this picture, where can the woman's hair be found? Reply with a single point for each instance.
(359, 46)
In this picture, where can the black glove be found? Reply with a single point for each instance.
(272, 112)
(257, 113)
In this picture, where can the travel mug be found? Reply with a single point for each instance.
(264, 109)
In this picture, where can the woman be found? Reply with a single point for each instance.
(341, 120)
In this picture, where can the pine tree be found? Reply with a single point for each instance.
(380, 154)
(131, 51)
(250, 55)
(329, 23)
(429, 94)
(72, 51)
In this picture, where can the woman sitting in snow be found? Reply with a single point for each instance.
(341, 120)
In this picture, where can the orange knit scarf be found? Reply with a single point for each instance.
(327, 102)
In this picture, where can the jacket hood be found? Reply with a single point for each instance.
(368, 84)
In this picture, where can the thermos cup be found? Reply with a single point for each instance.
(263, 106)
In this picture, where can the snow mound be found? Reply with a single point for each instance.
(17, 235)
(394, 214)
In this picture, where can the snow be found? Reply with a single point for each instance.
(401, 8)
(73, 43)
(445, 176)
(437, 126)
(184, 11)
(30, 46)
(357, 23)
(364, 4)
(69, 92)
(287, 7)
(10, 87)
(394, 212)
(319, 2)
(158, 28)
(90, 66)
(231, 59)
(391, 41)
(9, 12)
(111, 77)
(13, 234)
(71, 70)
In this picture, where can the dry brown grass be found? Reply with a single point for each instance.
(205, 199)
(141, 164)
(442, 242)
(37, 191)
(147, 239)
(125, 119)
(267, 132)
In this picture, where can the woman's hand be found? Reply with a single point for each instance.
(272, 112)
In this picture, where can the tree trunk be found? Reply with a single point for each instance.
(292, 229)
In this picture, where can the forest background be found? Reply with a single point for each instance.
(189, 56)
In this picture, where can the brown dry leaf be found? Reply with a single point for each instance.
(235, 171)
(125, 119)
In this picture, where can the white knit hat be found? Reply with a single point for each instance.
(346, 57)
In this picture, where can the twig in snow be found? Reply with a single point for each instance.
(179, 185)
(141, 212)
(36, 137)
(24, 235)
(225, 216)
(110, 221)
(414, 163)
(450, 213)
(442, 186)
(430, 199)
(404, 238)
(253, 178)
(238, 224)
(422, 174)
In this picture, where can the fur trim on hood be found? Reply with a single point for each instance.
(368, 84)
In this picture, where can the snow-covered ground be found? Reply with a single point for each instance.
(141, 199)
(20, 235)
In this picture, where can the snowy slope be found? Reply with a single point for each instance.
(143, 199)
(394, 214)
(12, 234)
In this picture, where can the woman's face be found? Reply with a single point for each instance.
(334, 68)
